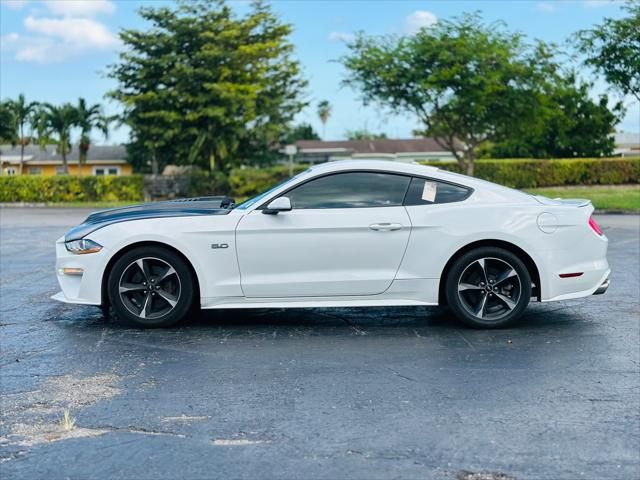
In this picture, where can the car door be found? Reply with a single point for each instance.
(345, 235)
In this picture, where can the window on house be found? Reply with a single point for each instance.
(10, 171)
(60, 170)
(35, 171)
(106, 171)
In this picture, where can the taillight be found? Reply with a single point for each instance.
(594, 226)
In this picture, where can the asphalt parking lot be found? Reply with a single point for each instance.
(315, 393)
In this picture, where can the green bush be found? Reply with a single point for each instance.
(246, 182)
(68, 188)
(548, 173)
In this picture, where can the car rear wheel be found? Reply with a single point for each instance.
(150, 287)
(488, 288)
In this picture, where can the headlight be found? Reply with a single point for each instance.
(83, 246)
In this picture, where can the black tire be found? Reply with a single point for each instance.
(488, 287)
(171, 293)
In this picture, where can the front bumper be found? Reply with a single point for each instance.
(84, 288)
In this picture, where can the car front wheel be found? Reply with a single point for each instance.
(150, 287)
(488, 287)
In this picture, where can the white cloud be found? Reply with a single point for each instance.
(80, 8)
(85, 31)
(69, 30)
(419, 19)
(341, 37)
(546, 7)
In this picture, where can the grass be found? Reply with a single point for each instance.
(614, 197)
(67, 422)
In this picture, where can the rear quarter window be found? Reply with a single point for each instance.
(423, 191)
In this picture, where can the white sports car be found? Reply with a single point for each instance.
(352, 233)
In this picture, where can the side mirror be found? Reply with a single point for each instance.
(280, 204)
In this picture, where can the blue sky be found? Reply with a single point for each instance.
(58, 50)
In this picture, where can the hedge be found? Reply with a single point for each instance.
(241, 183)
(68, 188)
(550, 173)
(514, 173)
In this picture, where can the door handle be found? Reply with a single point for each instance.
(385, 227)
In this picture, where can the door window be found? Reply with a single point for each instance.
(351, 190)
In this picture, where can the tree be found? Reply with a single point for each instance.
(89, 118)
(303, 131)
(570, 124)
(324, 112)
(7, 124)
(613, 49)
(364, 134)
(203, 86)
(56, 122)
(23, 114)
(467, 82)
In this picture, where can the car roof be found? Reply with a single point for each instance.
(384, 165)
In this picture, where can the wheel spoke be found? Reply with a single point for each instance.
(506, 300)
(483, 269)
(506, 275)
(143, 311)
(142, 265)
(131, 287)
(167, 273)
(170, 299)
(479, 312)
(468, 286)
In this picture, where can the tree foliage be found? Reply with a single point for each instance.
(613, 49)
(364, 134)
(88, 119)
(303, 131)
(569, 124)
(324, 112)
(56, 122)
(466, 81)
(22, 113)
(204, 86)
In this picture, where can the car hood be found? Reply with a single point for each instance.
(187, 207)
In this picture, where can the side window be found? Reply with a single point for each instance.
(427, 192)
(351, 190)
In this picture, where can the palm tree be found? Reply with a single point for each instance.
(88, 119)
(58, 121)
(324, 112)
(23, 112)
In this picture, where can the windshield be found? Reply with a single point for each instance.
(253, 200)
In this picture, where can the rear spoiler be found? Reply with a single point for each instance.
(569, 202)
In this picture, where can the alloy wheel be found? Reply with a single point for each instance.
(149, 288)
(489, 289)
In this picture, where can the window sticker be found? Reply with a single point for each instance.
(429, 191)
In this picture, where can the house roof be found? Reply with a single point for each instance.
(34, 154)
(385, 146)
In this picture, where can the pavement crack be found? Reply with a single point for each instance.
(465, 340)
(400, 375)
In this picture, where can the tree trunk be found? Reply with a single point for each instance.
(212, 161)
(154, 163)
(469, 161)
(21, 151)
(65, 166)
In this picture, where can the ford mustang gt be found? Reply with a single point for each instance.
(352, 233)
